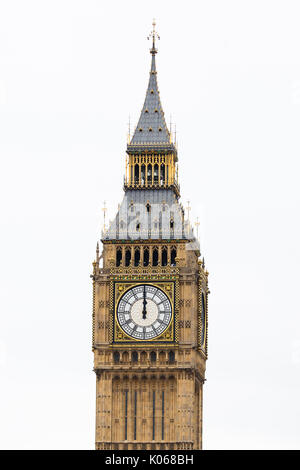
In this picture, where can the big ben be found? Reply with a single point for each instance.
(150, 289)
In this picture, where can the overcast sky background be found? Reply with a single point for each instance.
(71, 72)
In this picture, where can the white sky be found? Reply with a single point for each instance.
(70, 74)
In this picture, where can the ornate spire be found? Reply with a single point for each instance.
(151, 132)
(154, 35)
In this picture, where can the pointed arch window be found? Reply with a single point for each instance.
(155, 173)
(173, 256)
(164, 256)
(149, 174)
(119, 256)
(127, 256)
(137, 255)
(162, 173)
(146, 256)
(136, 173)
(155, 257)
(143, 174)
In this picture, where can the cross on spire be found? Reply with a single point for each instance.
(197, 223)
(104, 209)
(153, 35)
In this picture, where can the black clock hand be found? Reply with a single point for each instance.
(144, 304)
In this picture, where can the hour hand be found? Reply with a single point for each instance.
(144, 305)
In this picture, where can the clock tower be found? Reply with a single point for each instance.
(150, 301)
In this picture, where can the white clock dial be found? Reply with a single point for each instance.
(144, 312)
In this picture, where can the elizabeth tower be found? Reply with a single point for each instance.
(150, 301)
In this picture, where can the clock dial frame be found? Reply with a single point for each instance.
(132, 324)
(203, 321)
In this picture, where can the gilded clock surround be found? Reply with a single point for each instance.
(149, 393)
(120, 288)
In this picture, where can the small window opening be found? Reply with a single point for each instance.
(153, 356)
(148, 207)
(134, 356)
(116, 357)
(171, 357)
(138, 227)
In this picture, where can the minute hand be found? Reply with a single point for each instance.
(144, 304)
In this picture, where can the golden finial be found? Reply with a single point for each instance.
(128, 138)
(104, 209)
(197, 223)
(153, 35)
(188, 210)
(97, 252)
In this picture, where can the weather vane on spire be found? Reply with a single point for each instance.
(153, 35)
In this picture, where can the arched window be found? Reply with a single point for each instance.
(146, 256)
(119, 257)
(127, 256)
(149, 174)
(143, 174)
(125, 357)
(136, 174)
(153, 356)
(137, 256)
(134, 356)
(143, 357)
(155, 173)
(162, 357)
(173, 256)
(164, 256)
(171, 357)
(148, 207)
(155, 257)
(172, 224)
(116, 356)
(162, 174)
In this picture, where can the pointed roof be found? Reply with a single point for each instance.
(151, 132)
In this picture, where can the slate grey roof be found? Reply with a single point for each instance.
(151, 132)
(149, 214)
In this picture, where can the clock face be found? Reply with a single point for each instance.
(144, 312)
